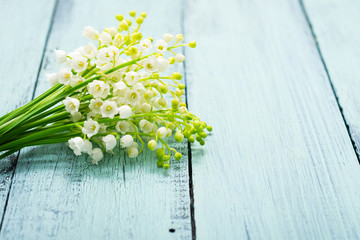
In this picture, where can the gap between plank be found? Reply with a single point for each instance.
(191, 190)
(32, 97)
(302, 6)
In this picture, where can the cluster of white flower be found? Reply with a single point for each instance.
(116, 91)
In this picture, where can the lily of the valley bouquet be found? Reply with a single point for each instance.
(107, 94)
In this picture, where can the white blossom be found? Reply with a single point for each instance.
(90, 128)
(79, 63)
(109, 109)
(119, 89)
(126, 141)
(71, 104)
(163, 64)
(125, 111)
(151, 64)
(52, 78)
(133, 152)
(123, 127)
(179, 57)
(160, 46)
(168, 37)
(75, 144)
(162, 132)
(90, 32)
(95, 105)
(60, 56)
(132, 97)
(89, 51)
(76, 80)
(145, 45)
(131, 77)
(64, 76)
(98, 89)
(109, 142)
(105, 38)
(96, 154)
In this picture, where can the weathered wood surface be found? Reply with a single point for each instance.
(335, 25)
(280, 163)
(56, 195)
(22, 39)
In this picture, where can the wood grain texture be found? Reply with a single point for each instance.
(280, 163)
(23, 35)
(335, 25)
(56, 195)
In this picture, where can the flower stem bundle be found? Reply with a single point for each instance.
(114, 92)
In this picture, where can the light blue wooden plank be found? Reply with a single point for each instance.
(336, 24)
(280, 164)
(23, 35)
(56, 195)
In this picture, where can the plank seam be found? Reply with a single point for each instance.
(32, 97)
(191, 190)
(307, 18)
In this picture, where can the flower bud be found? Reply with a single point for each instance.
(139, 20)
(192, 44)
(163, 89)
(175, 103)
(179, 137)
(209, 128)
(191, 139)
(152, 144)
(176, 75)
(128, 21)
(171, 60)
(178, 156)
(179, 38)
(119, 17)
(181, 86)
(166, 166)
(160, 153)
(143, 14)
(166, 158)
(203, 134)
(132, 13)
(124, 25)
(159, 163)
(162, 102)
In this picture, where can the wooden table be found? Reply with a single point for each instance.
(279, 80)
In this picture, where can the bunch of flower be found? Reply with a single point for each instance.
(114, 92)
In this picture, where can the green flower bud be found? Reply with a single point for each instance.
(159, 163)
(166, 158)
(139, 20)
(202, 142)
(163, 89)
(152, 144)
(172, 126)
(128, 22)
(124, 25)
(187, 134)
(178, 156)
(196, 124)
(179, 137)
(193, 130)
(160, 153)
(181, 86)
(119, 17)
(171, 60)
(166, 166)
(136, 36)
(162, 102)
(182, 104)
(143, 14)
(203, 134)
(133, 13)
(198, 138)
(175, 103)
(192, 44)
(191, 139)
(155, 75)
(209, 128)
(176, 75)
